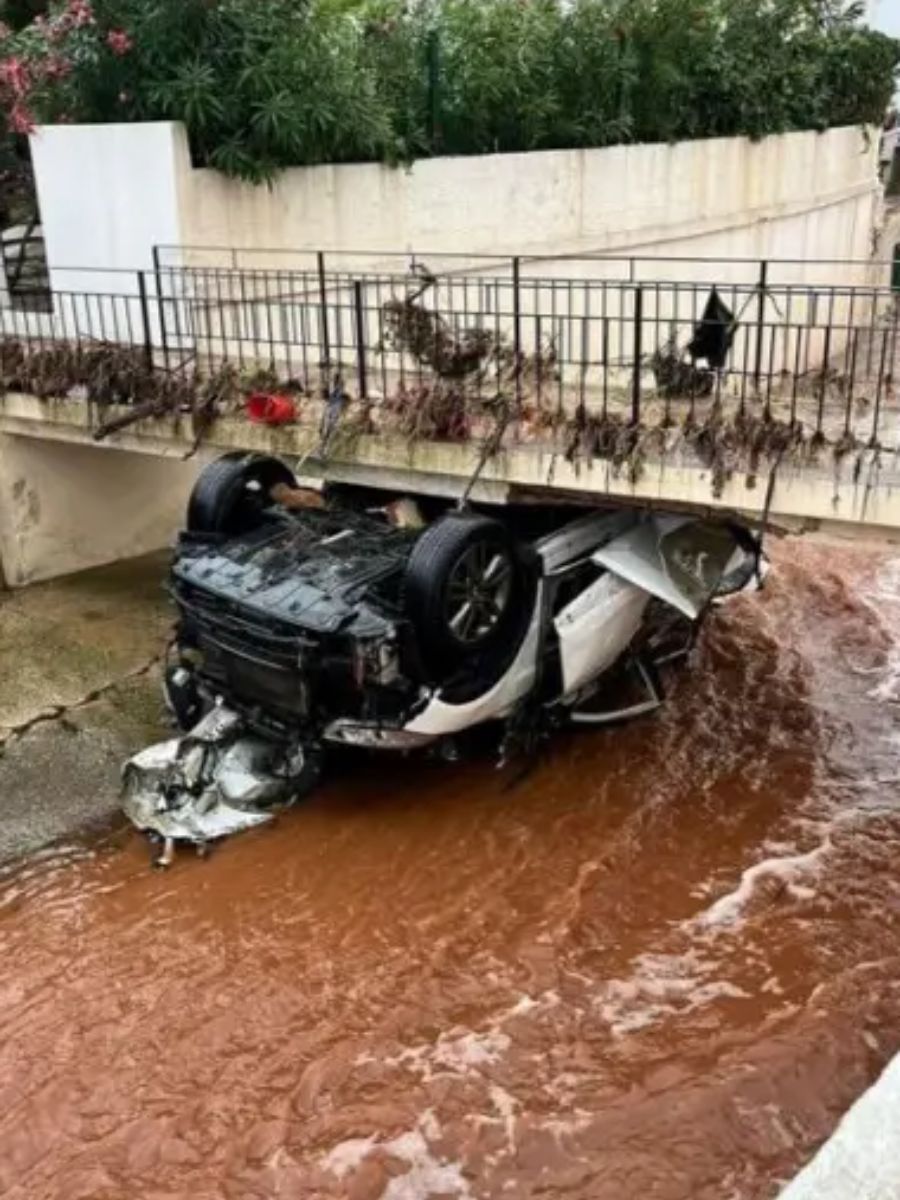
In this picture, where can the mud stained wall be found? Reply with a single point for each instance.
(799, 195)
(64, 507)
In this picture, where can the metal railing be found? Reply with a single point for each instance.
(557, 338)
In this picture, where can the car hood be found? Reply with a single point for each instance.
(319, 571)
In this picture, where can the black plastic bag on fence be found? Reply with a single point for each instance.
(714, 334)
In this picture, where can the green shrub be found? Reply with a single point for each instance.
(265, 84)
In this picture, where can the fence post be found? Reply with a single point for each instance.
(517, 332)
(760, 320)
(360, 338)
(823, 381)
(323, 319)
(638, 355)
(160, 308)
(145, 320)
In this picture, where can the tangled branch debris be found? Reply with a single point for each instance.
(473, 373)
(725, 444)
(109, 374)
(676, 378)
(426, 337)
(469, 386)
(113, 376)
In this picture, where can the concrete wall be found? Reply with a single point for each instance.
(66, 507)
(800, 195)
(108, 192)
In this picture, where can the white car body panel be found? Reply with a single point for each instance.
(577, 539)
(597, 628)
(439, 718)
(674, 558)
(635, 557)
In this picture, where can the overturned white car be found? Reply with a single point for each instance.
(304, 628)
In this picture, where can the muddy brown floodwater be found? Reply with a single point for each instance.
(660, 966)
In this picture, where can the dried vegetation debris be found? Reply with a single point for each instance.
(457, 385)
(110, 376)
(463, 376)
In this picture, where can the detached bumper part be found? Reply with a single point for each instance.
(214, 781)
(373, 736)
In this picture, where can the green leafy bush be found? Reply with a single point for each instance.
(264, 84)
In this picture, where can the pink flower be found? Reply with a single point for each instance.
(20, 119)
(119, 42)
(14, 75)
(79, 13)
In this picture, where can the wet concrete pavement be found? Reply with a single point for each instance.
(79, 692)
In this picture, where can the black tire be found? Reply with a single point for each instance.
(231, 493)
(448, 554)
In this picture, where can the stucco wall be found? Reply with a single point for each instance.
(799, 195)
(109, 192)
(66, 507)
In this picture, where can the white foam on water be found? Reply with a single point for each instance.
(506, 1105)
(884, 602)
(426, 1174)
(459, 1052)
(661, 986)
(728, 909)
(455, 1052)
(347, 1156)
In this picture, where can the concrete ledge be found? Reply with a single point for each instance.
(826, 492)
(861, 1161)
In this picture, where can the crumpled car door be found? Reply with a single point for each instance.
(680, 560)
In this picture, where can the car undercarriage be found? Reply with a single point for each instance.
(388, 623)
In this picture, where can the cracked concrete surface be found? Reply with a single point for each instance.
(79, 693)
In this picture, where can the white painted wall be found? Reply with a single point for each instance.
(109, 192)
(66, 507)
(729, 196)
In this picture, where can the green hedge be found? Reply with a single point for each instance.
(265, 84)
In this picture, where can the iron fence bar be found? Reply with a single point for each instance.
(826, 354)
(323, 323)
(160, 306)
(145, 320)
(360, 338)
(848, 406)
(876, 416)
(517, 333)
(638, 354)
(760, 319)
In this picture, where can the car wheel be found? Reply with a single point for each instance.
(463, 590)
(231, 493)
